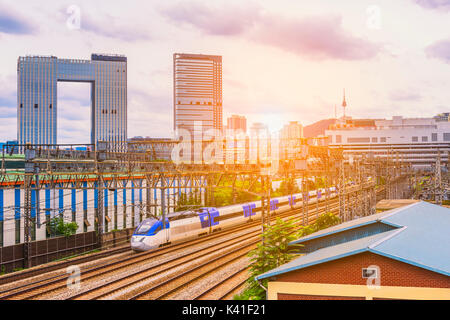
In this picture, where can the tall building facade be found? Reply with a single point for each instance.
(289, 143)
(37, 104)
(236, 123)
(293, 130)
(197, 92)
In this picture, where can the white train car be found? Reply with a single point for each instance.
(181, 226)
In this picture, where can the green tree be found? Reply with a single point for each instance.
(287, 187)
(187, 202)
(275, 250)
(269, 254)
(58, 227)
(326, 220)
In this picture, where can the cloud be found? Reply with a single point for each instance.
(228, 20)
(110, 27)
(439, 50)
(318, 38)
(402, 95)
(13, 23)
(443, 5)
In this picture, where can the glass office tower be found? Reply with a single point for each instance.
(37, 107)
(197, 91)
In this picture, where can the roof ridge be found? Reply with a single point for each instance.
(399, 209)
(389, 236)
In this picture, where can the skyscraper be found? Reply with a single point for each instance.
(197, 92)
(289, 143)
(37, 78)
(236, 123)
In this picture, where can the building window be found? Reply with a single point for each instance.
(35, 105)
(415, 139)
(21, 105)
(338, 138)
(424, 139)
(383, 139)
(446, 136)
(375, 139)
(50, 106)
(358, 140)
(434, 137)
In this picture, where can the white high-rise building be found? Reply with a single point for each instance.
(197, 92)
(415, 140)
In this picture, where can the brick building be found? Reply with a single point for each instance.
(398, 254)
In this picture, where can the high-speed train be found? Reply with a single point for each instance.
(185, 225)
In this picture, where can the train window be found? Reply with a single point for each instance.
(145, 226)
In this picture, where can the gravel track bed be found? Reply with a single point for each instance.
(235, 281)
(219, 275)
(61, 270)
(15, 286)
(154, 282)
(180, 282)
(138, 269)
(236, 291)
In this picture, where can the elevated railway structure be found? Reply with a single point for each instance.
(106, 172)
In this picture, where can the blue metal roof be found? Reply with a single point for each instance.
(351, 224)
(422, 238)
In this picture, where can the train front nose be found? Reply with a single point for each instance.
(137, 243)
(141, 243)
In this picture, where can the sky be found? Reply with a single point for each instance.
(283, 60)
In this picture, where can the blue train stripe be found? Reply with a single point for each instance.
(204, 218)
(248, 210)
(115, 197)
(292, 200)
(274, 204)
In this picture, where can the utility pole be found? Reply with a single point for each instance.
(28, 177)
(100, 157)
(438, 180)
(341, 187)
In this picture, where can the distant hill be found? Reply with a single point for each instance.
(317, 128)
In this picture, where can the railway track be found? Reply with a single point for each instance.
(136, 276)
(165, 283)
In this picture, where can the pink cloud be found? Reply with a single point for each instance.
(439, 50)
(228, 20)
(443, 5)
(315, 37)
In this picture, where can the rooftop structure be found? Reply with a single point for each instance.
(402, 241)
